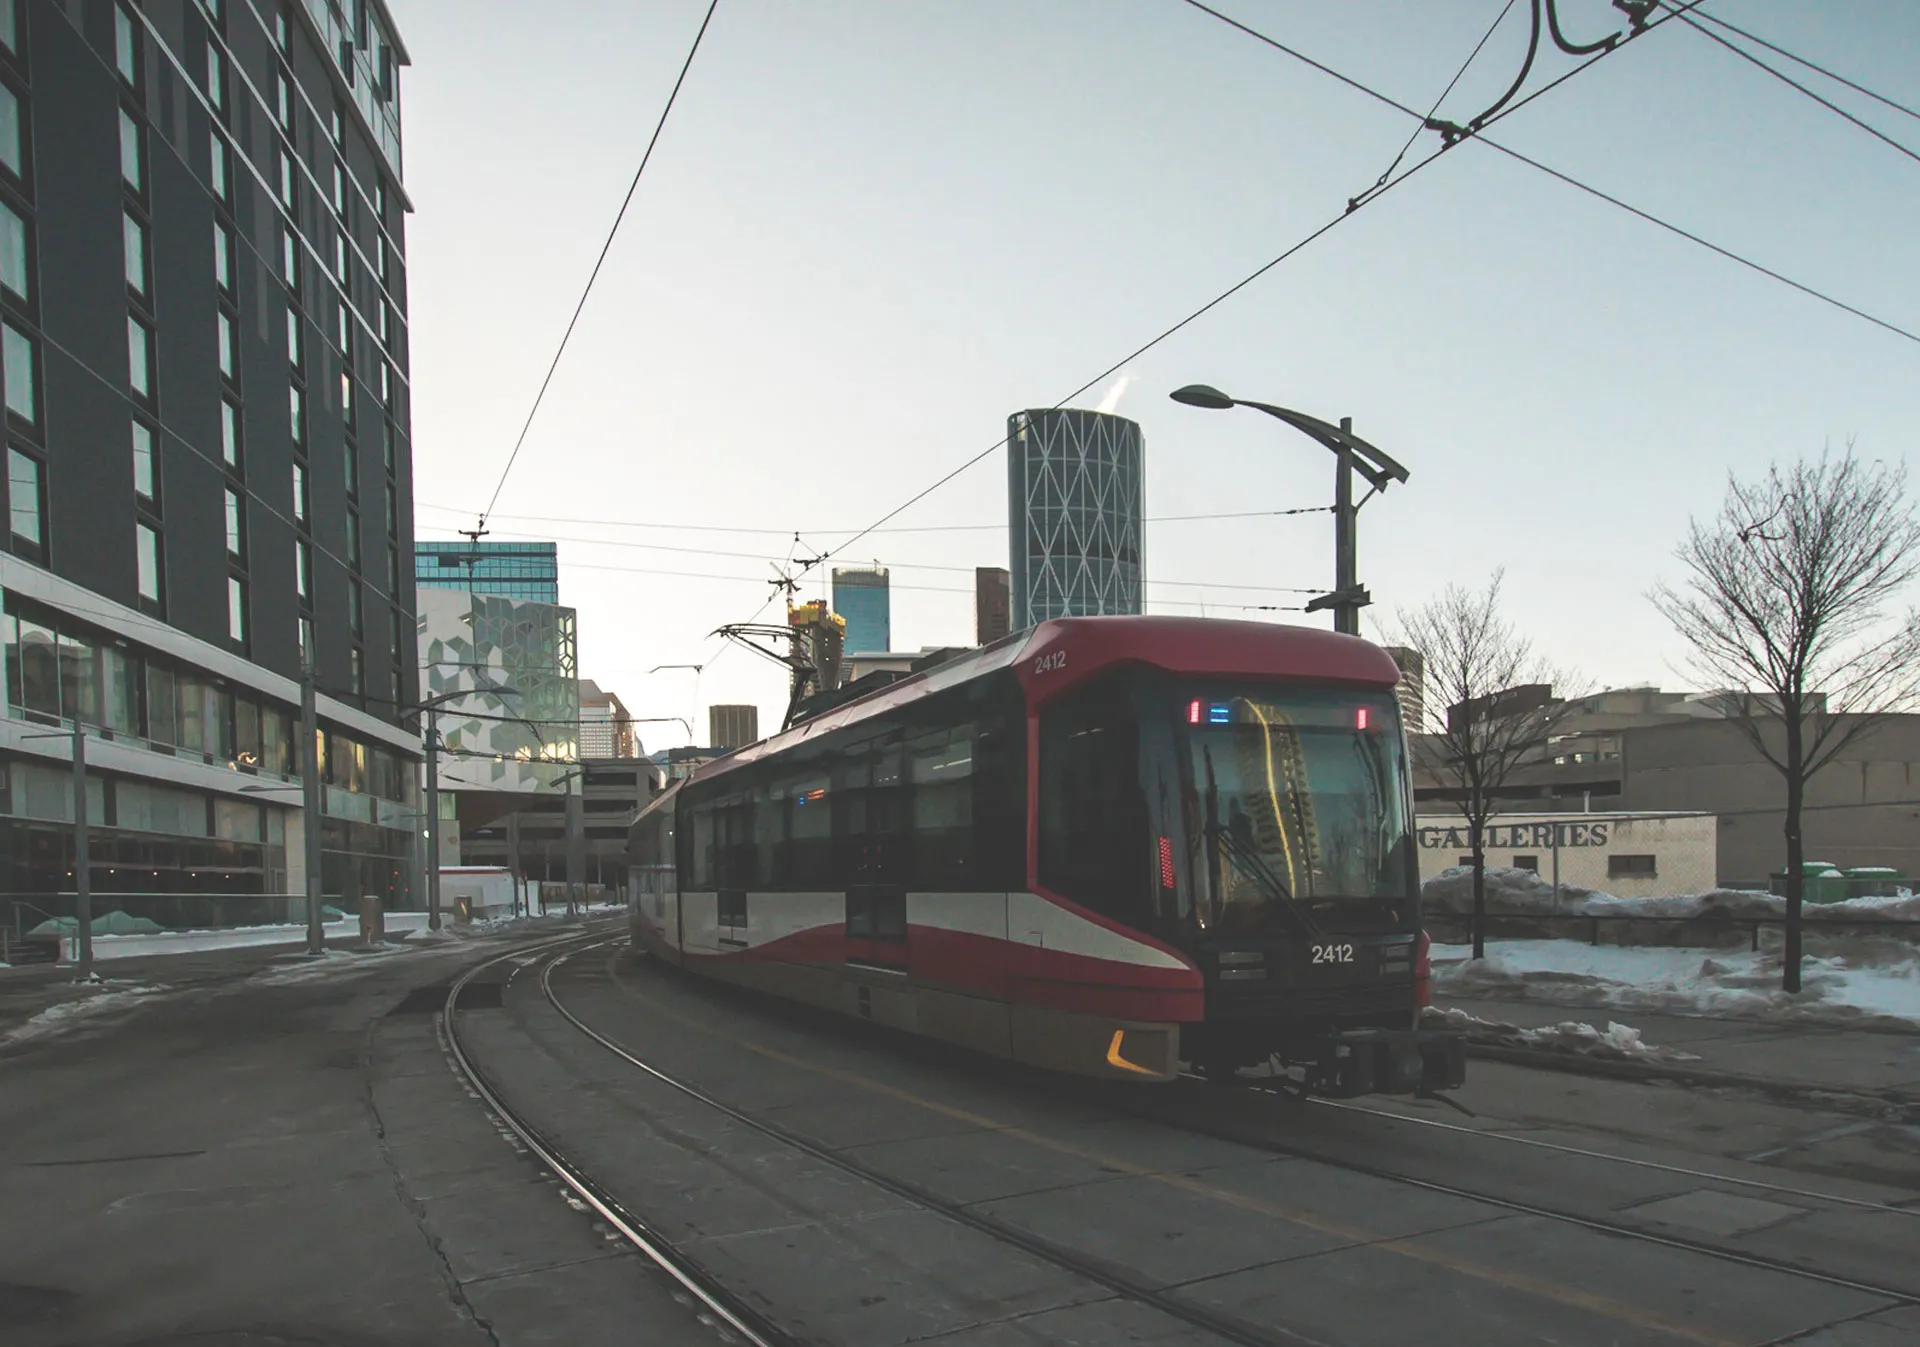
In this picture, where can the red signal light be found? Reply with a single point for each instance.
(1193, 712)
(1360, 718)
(1166, 859)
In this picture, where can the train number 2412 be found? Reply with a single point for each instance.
(1333, 953)
(1051, 662)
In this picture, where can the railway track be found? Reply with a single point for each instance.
(727, 1309)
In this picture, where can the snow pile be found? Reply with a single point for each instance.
(1714, 919)
(1872, 984)
(307, 968)
(1617, 1042)
(98, 1000)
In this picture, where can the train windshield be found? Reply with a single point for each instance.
(1296, 802)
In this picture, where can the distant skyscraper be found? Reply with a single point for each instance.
(504, 570)
(861, 596)
(1412, 691)
(732, 726)
(1074, 498)
(992, 604)
(606, 727)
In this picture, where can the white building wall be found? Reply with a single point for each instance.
(1596, 851)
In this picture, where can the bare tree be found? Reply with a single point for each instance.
(1476, 737)
(1785, 606)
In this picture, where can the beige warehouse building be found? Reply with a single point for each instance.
(1632, 855)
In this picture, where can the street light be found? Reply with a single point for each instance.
(1352, 454)
(697, 668)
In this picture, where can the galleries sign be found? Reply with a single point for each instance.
(1513, 836)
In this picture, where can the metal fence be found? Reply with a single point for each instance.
(1721, 925)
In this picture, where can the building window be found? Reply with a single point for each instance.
(139, 358)
(350, 460)
(346, 399)
(357, 673)
(9, 26)
(228, 363)
(354, 616)
(299, 493)
(283, 100)
(296, 346)
(290, 259)
(133, 168)
(146, 557)
(353, 540)
(386, 384)
(143, 462)
(15, 274)
(1631, 867)
(12, 142)
(236, 533)
(237, 609)
(134, 238)
(216, 79)
(126, 46)
(382, 260)
(223, 258)
(306, 643)
(282, 31)
(297, 413)
(393, 514)
(339, 189)
(393, 571)
(287, 186)
(303, 570)
(17, 366)
(387, 440)
(340, 258)
(230, 434)
(219, 176)
(343, 335)
(26, 505)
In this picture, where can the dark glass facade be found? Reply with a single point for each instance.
(505, 570)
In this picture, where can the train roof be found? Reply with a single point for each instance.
(1085, 646)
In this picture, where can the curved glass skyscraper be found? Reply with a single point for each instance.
(1074, 500)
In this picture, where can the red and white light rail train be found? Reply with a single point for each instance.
(1105, 845)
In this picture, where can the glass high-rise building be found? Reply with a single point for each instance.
(204, 342)
(1074, 482)
(504, 570)
(861, 596)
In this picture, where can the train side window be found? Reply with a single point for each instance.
(700, 857)
(1093, 814)
(808, 845)
(940, 765)
(871, 841)
(1000, 788)
(738, 858)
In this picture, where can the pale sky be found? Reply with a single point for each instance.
(872, 230)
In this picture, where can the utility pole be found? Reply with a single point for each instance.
(310, 803)
(433, 818)
(1346, 526)
(513, 856)
(576, 805)
(82, 862)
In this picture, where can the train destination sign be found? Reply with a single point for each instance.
(1502, 836)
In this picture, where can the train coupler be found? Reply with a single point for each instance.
(1389, 1061)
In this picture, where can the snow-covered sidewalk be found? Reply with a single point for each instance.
(1874, 985)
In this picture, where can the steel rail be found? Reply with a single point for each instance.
(1782, 1190)
(1593, 1223)
(752, 1326)
(1222, 1326)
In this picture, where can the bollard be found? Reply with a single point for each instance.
(373, 921)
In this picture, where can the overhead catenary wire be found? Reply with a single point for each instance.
(1810, 65)
(1792, 83)
(783, 532)
(594, 275)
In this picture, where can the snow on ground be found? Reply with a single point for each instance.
(1869, 985)
(1525, 893)
(1618, 1042)
(95, 1001)
(237, 937)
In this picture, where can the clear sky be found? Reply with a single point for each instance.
(872, 230)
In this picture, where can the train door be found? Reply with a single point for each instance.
(873, 844)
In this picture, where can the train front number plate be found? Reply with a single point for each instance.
(1331, 954)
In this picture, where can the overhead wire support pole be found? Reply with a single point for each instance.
(82, 860)
(310, 803)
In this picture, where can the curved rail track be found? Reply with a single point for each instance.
(757, 1329)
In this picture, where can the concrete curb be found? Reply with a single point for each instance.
(1891, 1104)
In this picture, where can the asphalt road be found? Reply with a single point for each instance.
(268, 1153)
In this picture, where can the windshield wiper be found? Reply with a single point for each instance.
(1250, 863)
